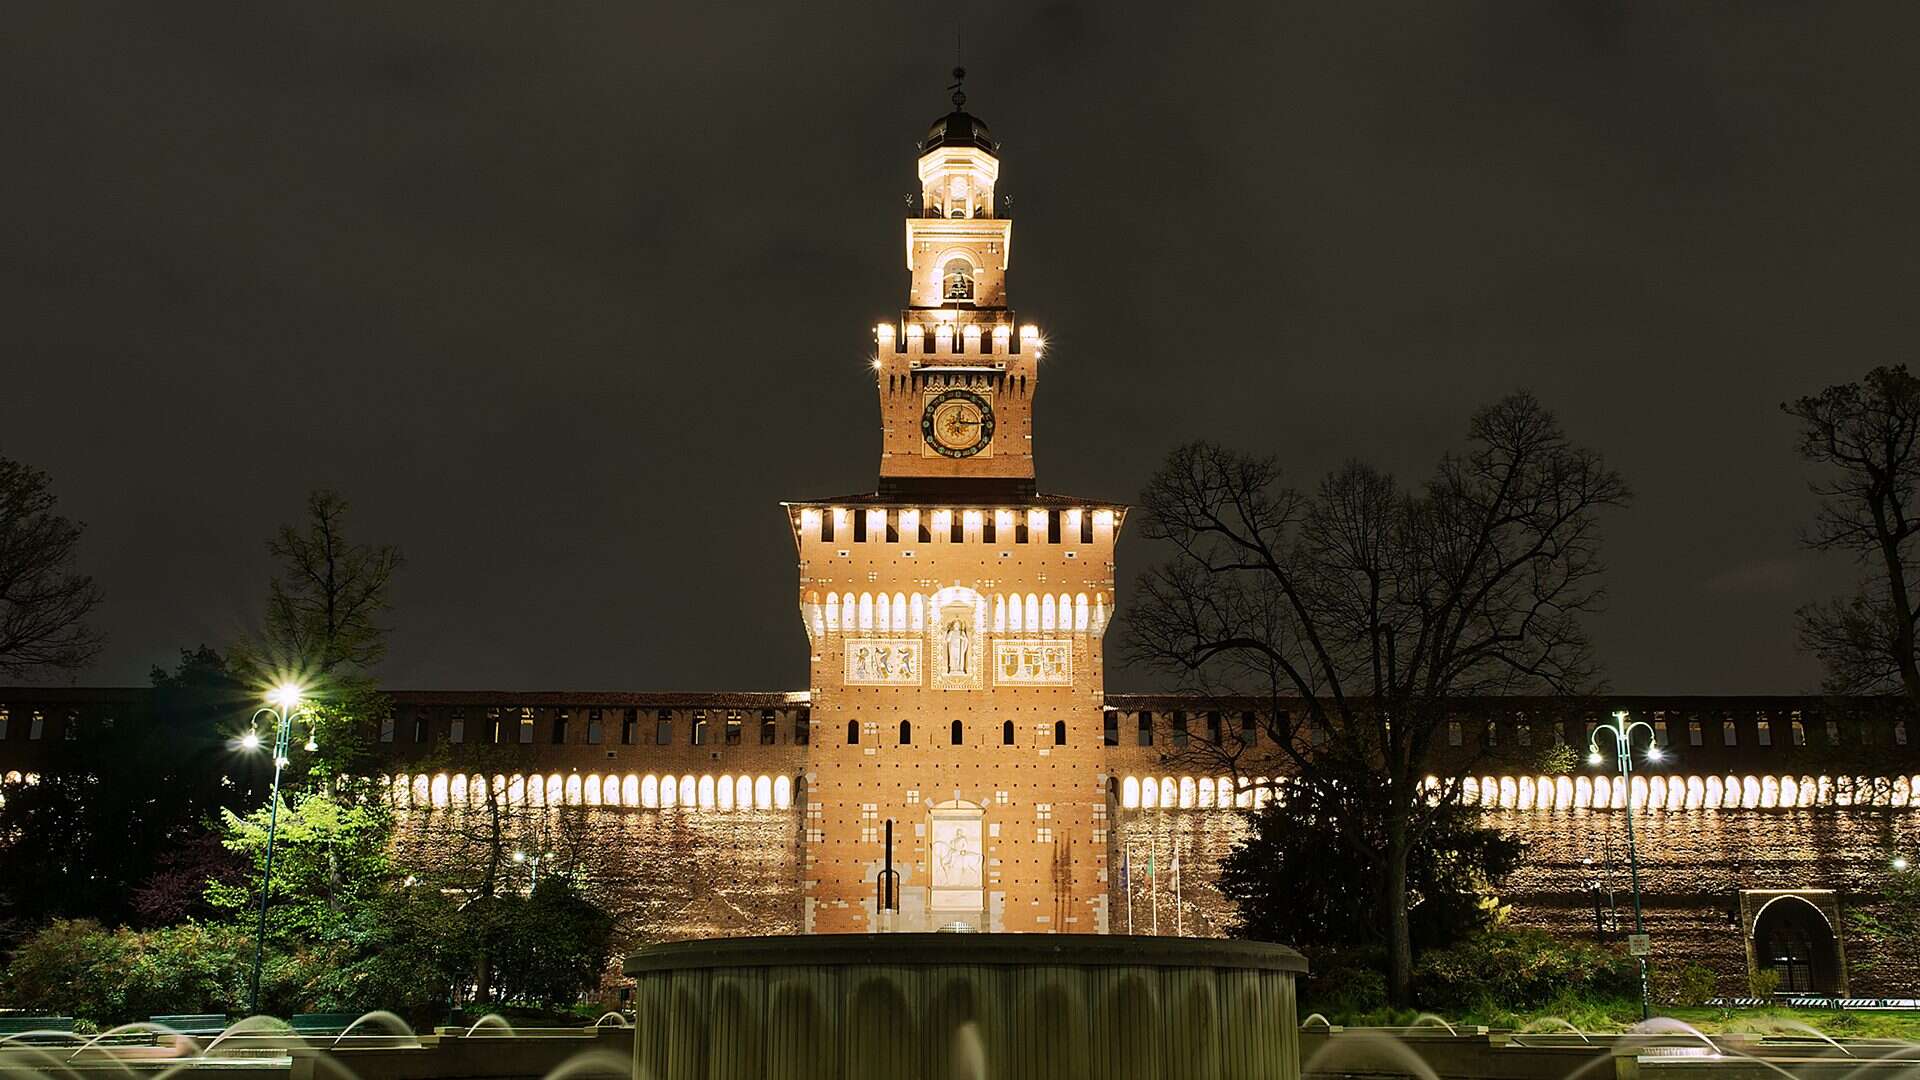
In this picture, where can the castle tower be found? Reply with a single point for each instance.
(956, 614)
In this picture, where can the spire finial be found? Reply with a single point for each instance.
(959, 95)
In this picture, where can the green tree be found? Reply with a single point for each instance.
(78, 968)
(124, 836)
(44, 604)
(1865, 437)
(1884, 934)
(1294, 879)
(330, 859)
(551, 946)
(1363, 612)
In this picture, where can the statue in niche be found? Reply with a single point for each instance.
(958, 644)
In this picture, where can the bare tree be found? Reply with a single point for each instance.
(324, 607)
(1866, 435)
(43, 603)
(1363, 611)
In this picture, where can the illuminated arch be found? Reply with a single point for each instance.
(687, 788)
(705, 792)
(1080, 612)
(1189, 793)
(899, 611)
(1262, 792)
(1033, 612)
(1000, 612)
(1169, 793)
(630, 790)
(1016, 620)
(866, 611)
(438, 789)
(1205, 794)
(1099, 622)
(917, 613)
(833, 612)
(849, 612)
(650, 791)
(1047, 620)
(763, 792)
(1130, 793)
(1149, 792)
(782, 792)
(722, 793)
(743, 793)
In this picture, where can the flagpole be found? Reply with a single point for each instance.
(1126, 883)
(1179, 912)
(1153, 880)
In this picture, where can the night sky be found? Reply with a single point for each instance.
(565, 298)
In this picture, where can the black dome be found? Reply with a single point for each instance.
(959, 128)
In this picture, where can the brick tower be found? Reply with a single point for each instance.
(956, 614)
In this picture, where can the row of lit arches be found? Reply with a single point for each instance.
(1008, 612)
(1564, 792)
(705, 792)
(1659, 792)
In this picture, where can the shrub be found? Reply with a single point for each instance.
(1521, 969)
(1693, 984)
(1762, 984)
(78, 968)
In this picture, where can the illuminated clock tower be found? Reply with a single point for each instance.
(955, 614)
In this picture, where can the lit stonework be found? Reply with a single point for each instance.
(956, 614)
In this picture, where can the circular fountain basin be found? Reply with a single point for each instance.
(965, 1007)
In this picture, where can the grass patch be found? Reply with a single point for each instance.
(1598, 1017)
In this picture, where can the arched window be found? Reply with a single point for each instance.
(906, 732)
(853, 733)
(1059, 733)
(956, 736)
(958, 276)
(1006, 733)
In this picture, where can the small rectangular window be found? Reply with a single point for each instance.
(1179, 729)
(5, 716)
(1660, 734)
(1249, 728)
(663, 728)
(526, 725)
(1493, 734)
(802, 728)
(700, 718)
(1763, 732)
(1523, 734)
(421, 726)
(37, 725)
(1110, 729)
(595, 721)
(1833, 733)
(1696, 734)
(558, 736)
(70, 731)
(1086, 527)
(386, 728)
(1899, 733)
(769, 730)
(1454, 733)
(630, 727)
(457, 727)
(733, 728)
(1053, 526)
(494, 734)
(1146, 729)
(1729, 734)
(989, 529)
(859, 527)
(1799, 731)
(826, 527)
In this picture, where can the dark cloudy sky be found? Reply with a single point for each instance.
(567, 297)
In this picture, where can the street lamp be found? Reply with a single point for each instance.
(1623, 733)
(533, 861)
(283, 703)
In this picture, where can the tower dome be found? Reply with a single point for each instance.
(959, 128)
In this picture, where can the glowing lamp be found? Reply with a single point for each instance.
(312, 744)
(884, 331)
(1899, 862)
(1654, 753)
(1594, 758)
(251, 740)
(286, 695)
(519, 856)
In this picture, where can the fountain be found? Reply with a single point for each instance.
(965, 1007)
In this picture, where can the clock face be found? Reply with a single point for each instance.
(957, 423)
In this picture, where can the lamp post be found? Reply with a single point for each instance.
(283, 703)
(533, 862)
(1623, 732)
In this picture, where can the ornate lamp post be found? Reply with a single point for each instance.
(533, 863)
(283, 704)
(1623, 733)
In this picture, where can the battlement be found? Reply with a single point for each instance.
(946, 337)
(1068, 525)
